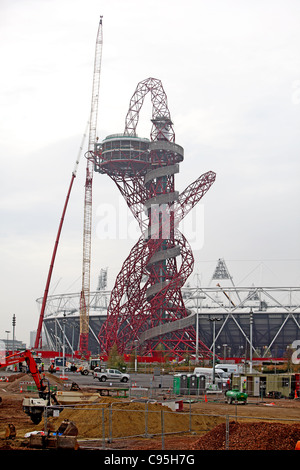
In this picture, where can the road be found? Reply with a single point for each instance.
(149, 381)
(136, 379)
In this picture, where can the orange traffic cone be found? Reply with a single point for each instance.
(205, 398)
(296, 394)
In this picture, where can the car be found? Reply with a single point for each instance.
(110, 374)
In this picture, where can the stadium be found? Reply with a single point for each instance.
(232, 319)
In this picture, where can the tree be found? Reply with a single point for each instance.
(114, 359)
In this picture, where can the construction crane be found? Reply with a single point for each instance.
(38, 338)
(87, 223)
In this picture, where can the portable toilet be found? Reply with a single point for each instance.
(176, 384)
(193, 384)
(201, 384)
(184, 384)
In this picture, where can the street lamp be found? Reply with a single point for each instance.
(202, 297)
(14, 326)
(225, 351)
(251, 340)
(214, 319)
(64, 335)
(136, 343)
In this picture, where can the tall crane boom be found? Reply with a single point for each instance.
(38, 338)
(87, 223)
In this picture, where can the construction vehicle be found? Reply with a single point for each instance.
(65, 437)
(33, 407)
(235, 396)
(87, 367)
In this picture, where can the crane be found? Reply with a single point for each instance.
(38, 337)
(87, 222)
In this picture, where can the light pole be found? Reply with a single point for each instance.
(214, 319)
(251, 340)
(199, 296)
(135, 354)
(225, 350)
(64, 332)
(14, 326)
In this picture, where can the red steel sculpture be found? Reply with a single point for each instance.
(146, 308)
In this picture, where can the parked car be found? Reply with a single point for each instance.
(110, 374)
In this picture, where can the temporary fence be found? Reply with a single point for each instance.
(103, 426)
(107, 423)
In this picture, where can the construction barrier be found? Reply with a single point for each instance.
(105, 424)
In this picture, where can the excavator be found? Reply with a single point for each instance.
(33, 407)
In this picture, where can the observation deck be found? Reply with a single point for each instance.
(120, 153)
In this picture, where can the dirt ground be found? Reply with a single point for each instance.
(259, 425)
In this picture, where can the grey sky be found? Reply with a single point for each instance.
(231, 71)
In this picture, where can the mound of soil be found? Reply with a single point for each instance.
(250, 436)
(120, 419)
(14, 383)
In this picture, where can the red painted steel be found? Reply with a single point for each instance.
(147, 291)
(38, 338)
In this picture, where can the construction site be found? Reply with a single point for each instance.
(153, 306)
(154, 319)
(137, 423)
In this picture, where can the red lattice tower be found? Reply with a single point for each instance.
(146, 308)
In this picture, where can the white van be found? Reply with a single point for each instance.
(221, 377)
(208, 373)
(229, 369)
(203, 370)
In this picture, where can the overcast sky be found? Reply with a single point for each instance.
(231, 71)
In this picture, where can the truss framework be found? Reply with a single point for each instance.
(148, 186)
(274, 311)
(276, 318)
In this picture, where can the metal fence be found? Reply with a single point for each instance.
(103, 426)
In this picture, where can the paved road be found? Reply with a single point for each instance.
(139, 380)
(136, 379)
